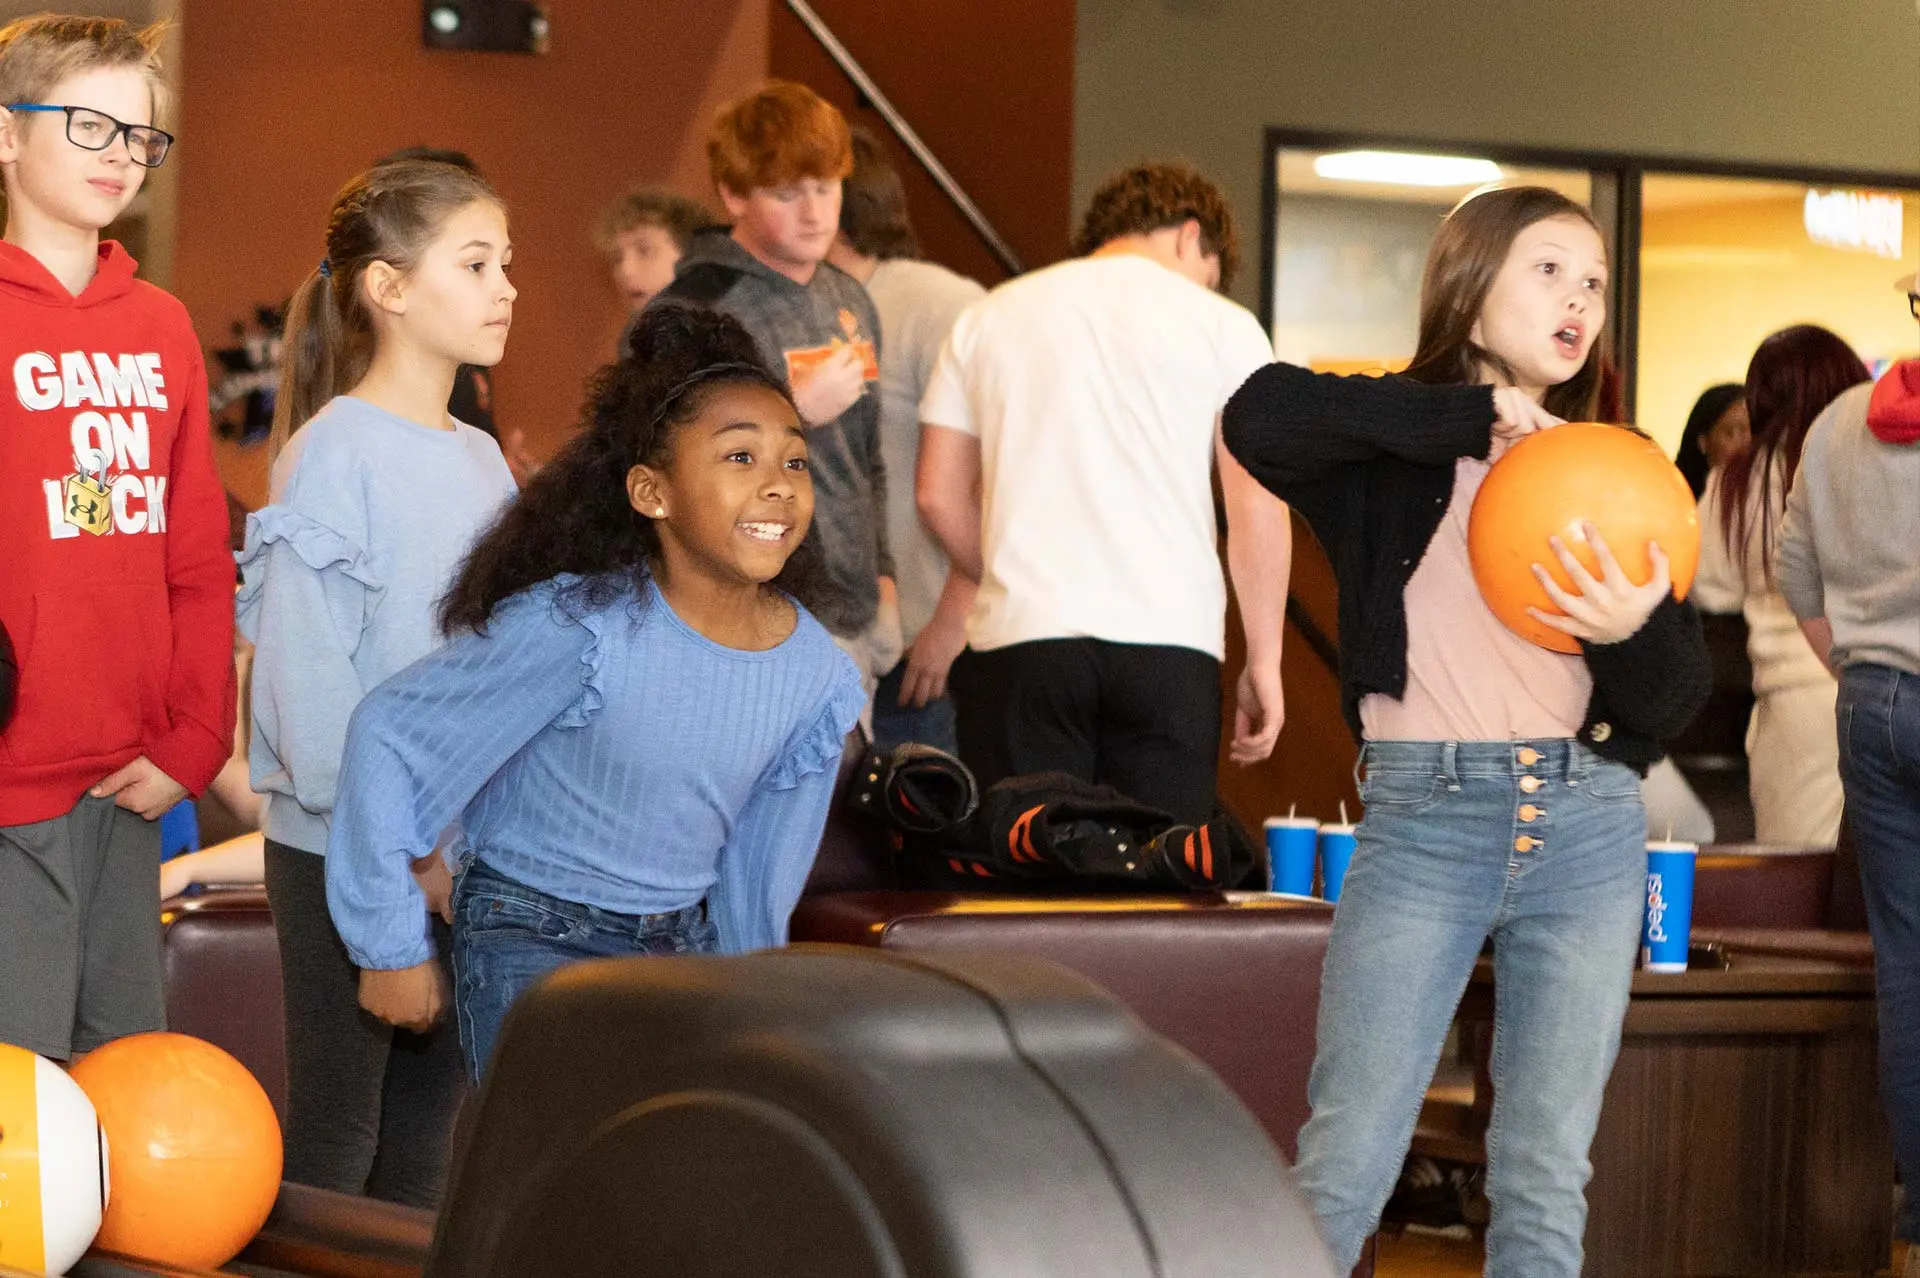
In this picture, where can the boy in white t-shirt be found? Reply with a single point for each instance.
(1071, 432)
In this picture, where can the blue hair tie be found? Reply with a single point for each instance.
(326, 269)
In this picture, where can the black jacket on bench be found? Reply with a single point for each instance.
(1369, 463)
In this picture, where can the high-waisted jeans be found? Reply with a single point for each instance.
(1540, 845)
(506, 936)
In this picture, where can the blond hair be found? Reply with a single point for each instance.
(38, 52)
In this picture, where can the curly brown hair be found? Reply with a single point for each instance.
(574, 515)
(680, 217)
(1147, 197)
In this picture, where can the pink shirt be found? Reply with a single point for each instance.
(1469, 678)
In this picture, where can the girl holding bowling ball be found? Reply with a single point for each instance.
(1502, 780)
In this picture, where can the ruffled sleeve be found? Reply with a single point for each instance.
(308, 592)
(425, 742)
(820, 745)
(765, 863)
(312, 544)
(593, 659)
(563, 599)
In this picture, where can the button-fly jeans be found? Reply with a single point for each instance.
(1541, 846)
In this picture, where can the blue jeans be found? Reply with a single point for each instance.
(506, 936)
(896, 725)
(1540, 845)
(1878, 718)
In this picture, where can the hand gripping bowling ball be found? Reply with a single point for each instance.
(1551, 483)
(193, 1149)
(53, 1166)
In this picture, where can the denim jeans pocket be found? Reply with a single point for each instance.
(1610, 782)
(490, 918)
(700, 936)
(1400, 793)
(1844, 717)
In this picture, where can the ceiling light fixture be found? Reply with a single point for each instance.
(1400, 168)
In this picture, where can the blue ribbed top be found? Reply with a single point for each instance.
(612, 756)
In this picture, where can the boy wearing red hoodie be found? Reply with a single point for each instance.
(116, 583)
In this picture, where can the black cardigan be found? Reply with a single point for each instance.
(1369, 463)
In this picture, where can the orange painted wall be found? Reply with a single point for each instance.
(1717, 278)
(283, 102)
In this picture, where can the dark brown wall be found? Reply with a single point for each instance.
(1312, 766)
(283, 102)
(988, 85)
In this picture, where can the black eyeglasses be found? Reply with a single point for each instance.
(92, 130)
(1913, 304)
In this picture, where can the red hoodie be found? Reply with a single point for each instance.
(116, 580)
(1893, 412)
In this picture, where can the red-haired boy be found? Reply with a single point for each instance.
(777, 158)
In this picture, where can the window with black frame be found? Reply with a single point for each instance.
(1715, 262)
(1350, 238)
(1725, 261)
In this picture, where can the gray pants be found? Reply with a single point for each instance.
(80, 918)
(370, 1109)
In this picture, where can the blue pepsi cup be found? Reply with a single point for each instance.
(1290, 845)
(1669, 919)
(1336, 854)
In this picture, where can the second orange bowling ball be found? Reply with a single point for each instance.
(193, 1149)
(1550, 484)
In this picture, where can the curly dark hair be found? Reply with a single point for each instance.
(1147, 197)
(574, 515)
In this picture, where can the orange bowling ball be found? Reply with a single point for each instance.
(1553, 481)
(193, 1149)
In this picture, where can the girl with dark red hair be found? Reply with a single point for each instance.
(1793, 763)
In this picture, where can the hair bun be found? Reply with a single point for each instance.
(670, 342)
(678, 337)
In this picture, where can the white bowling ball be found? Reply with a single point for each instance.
(53, 1165)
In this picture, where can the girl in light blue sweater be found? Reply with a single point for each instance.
(636, 721)
(377, 494)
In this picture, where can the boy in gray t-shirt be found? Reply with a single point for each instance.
(917, 302)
